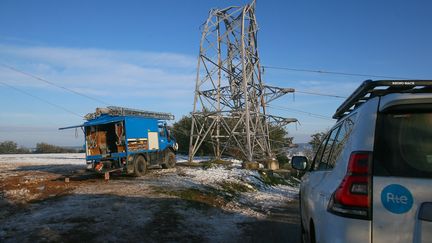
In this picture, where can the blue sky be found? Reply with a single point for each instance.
(142, 54)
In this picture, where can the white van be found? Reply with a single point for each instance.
(371, 178)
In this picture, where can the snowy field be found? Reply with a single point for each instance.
(77, 158)
(70, 158)
(211, 203)
(260, 193)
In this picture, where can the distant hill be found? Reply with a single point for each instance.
(299, 149)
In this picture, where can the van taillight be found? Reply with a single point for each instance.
(352, 197)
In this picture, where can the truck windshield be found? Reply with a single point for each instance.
(403, 144)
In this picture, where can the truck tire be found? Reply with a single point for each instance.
(170, 160)
(140, 166)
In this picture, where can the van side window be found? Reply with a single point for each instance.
(161, 131)
(319, 153)
(341, 139)
(322, 163)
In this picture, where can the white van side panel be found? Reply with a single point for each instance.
(342, 229)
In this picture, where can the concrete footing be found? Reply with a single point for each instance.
(250, 165)
(272, 164)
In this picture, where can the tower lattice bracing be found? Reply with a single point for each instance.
(230, 97)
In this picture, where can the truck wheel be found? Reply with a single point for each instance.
(170, 160)
(140, 166)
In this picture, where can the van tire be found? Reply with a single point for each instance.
(312, 235)
(140, 166)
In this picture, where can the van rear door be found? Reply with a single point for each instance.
(402, 175)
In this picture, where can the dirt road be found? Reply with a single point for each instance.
(185, 204)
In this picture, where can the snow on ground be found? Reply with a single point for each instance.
(260, 192)
(253, 196)
(77, 158)
(215, 203)
(181, 158)
(256, 194)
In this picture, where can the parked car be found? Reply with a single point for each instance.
(371, 178)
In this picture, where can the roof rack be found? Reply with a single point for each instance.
(121, 111)
(369, 89)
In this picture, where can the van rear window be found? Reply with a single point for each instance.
(403, 144)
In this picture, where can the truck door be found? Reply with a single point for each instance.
(163, 140)
(402, 176)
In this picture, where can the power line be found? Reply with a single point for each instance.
(40, 99)
(334, 72)
(300, 111)
(53, 84)
(321, 94)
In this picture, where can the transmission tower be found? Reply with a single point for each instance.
(230, 97)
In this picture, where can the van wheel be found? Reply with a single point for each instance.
(312, 233)
(140, 166)
(170, 160)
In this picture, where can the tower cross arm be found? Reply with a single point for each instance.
(272, 92)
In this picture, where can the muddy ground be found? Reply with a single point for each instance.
(37, 205)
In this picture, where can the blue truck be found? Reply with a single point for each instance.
(128, 140)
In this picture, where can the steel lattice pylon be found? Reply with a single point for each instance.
(230, 96)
